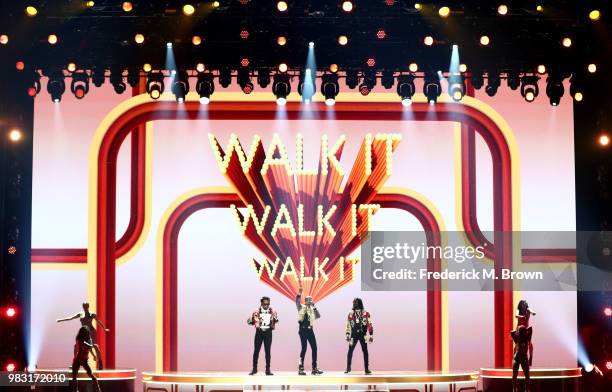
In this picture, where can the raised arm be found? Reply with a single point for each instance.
(100, 322)
(76, 316)
(298, 299)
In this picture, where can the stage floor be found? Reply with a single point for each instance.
(329, 381)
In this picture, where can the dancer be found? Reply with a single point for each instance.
(521, 338)
(86, 318)
(82, 348)
(523, 313)
(359, 329)
(264, 320)
(307, 314)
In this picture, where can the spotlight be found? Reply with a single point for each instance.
(97, 76)
(133, 76)
(592, 68)
(196, 40)
(10, 367)
(35, 87)
(4, 39)
(281, 88)
(485, 40)
(347, 6)
(14, 135)
(11, 311)
(369, 81)
(216, 4)
(387, 80)
(31, 11)
(282, 6)
(428, 40)
(343, 40)
(513, 80)
(169, 45)
(225, 77)
(493, 82)
(311, 44)
(371, 62)
(80, 84)
(352, 79)
(604, 141)
(529, 88)
(575, 88)
(418, 6)
(330, 88)
(413, 67)
(566, 42)
(52, 39)
(20, 65)
(205, 87)
(381, 34)
(333, 68)
(463, 68)
(139, 38)
(147, 67)
(541, 69)
(456, 89)
(431, 87)
(554, 89)
(127, 6)
(282, 67)
(539, 8)
(180, 86)
(502, 9)
(607, 310)
(306, 85)
(116, 79)
(281, 41)
(244, 81)
(155, 84)
(244, 34)
(444, 11)
(406, 88)
(477, 79)
(56, 86)
(244, 62)
(263, 78)
(188, 9)
(594, 15)
(200, 67)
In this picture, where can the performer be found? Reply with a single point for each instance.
(82, 348)
(521, 338)
(264, 320)
(523, 313)
(359, 328)
(86, 318)
(307, 314)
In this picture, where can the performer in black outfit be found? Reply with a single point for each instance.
(359, 329)
(264, 320)
(521, 338)
(82, 349)
(307, 314)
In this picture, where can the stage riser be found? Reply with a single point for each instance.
(87, 386)
(536, 385)
(440, 387)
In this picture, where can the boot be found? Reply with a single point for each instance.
(367, 371)
(348, 370)
(316, 371)
(254, 371)
(268, 371)
(301, 371)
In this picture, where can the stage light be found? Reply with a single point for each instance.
(127, 6)
(477, 79)
(603, 140)
(502, 9)
(444, 11)
(90, 3)
(147, 67)
(10, 367)
(31, 11)
(541, 69)
(462, 68)
(539, 8)
(80, 84)
(566, 42)
(343, 40)
(485, 40)
(31, 91)
(116, 79)
(281, 41)
(607, 310)
(263, 78)
(225, 77)
(413, 67)
(244, 81)
(333, 68)
(169, 45)
(592, 68)
(371, 62)
(381, 34)
(330, 88)
(428, 40)
(529, 88)
(282, 67)
(34, 89)
(406, 88)
(513, 80)
(56, 87)
(244, 34)
(418, 6)
(364, 89)
(281, 88)
(52, 39)
(14, 135)
(244, 62)
(71, 67)
(10, 311)
(594, 15)
(431, 87)
(4, 39)
(205, 87)
(554, 89)
(368, 83)
(390, 2)
(387, 79)
(20, 65)
(188, 9)
(200, 67)
(139, 38)
(12, 249)
(155, 84)
(493, 83)
(216, 4)
(282, 6)
(180, 86)
(457, 90)
(347, 6)
(352, 79)
(196, 40)
(311, 44)
(97, 76)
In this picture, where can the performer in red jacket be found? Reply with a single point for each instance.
(264, 320)
(82, 348)
(359, 328)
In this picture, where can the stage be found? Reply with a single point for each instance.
(567, 380)
(116, 380)
(332, 381)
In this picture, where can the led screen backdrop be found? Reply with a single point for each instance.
(217, 283)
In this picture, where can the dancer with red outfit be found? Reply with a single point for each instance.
(523, 313)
